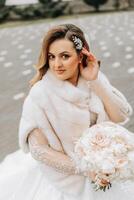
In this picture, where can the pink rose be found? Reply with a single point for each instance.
(99, 141)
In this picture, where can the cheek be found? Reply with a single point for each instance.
(72, 63)
(51, 64)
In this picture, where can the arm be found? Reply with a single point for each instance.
(37, 136)
(33, 116)
(116, 105)
(41, 151)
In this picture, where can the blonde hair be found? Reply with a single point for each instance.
(57, 32)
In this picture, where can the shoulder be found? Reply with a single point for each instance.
(36, 89)
(37, 93)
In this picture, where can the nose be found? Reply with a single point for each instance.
(58, 63)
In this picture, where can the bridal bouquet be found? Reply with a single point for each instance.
(107, 150)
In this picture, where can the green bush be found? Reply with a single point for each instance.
(4, 13)
(43, 9)
(25, 13)
(45, 1)
(116, 4)
(95, 3)
(39, 12)
(2, 3)
(58, 10)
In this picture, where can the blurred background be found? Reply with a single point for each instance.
(35, 9)
(109, 29)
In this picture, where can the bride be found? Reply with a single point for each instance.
(68, 94)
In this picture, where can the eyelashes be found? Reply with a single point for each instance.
(50, 57)
(64, 56)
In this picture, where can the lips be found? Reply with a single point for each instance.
(60, 71)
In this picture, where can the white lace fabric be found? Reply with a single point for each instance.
(41, 151)
(115, 103)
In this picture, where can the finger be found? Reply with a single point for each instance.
(104, 182)
(91, 58)
(85, 51)
(89, 54)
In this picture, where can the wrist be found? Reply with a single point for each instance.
(94, 83)
(99, 85)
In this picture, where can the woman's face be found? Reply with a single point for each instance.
(63, 60)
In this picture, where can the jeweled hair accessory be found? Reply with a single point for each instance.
(78, 43)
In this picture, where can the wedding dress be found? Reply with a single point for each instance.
(22, 177)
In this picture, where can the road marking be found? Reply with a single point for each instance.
(8, 64)
(129, 33)
(28, 51)
(14, 42)
(130, 70)
(132, 38)
(110, 35)
(107, 54)
(121, 28)
(128, 56)
(23, 56)
(2, 59)
(103, 48)
(21, 46)
(116, 64)
(26, 72)
(3, 53)
(128, 48)
(102, 43)
(32, 37)
(120, 43)
(28, 62)
(18, 96)
(117, 39)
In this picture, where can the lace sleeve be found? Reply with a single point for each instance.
(115, 103)
(41, 151)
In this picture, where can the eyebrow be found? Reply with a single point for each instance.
(60, 53)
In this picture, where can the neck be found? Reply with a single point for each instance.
(74, 79)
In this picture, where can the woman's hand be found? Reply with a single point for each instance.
(90, 72)
(91, 175)
(104, 183)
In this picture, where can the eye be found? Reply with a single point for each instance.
(50, 57)
(65, 56)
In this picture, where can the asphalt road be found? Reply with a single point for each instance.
(111, 38)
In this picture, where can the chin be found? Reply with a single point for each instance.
(61, 77)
